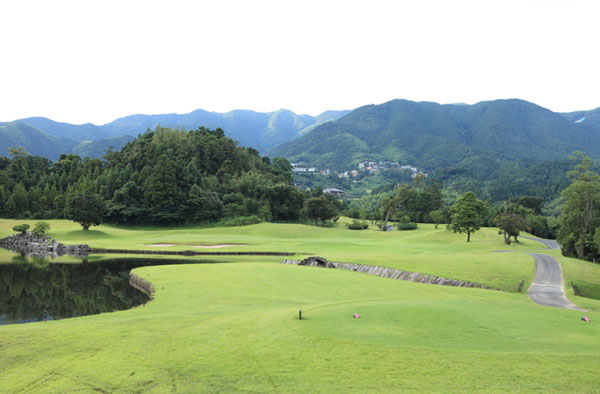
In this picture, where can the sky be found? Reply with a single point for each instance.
(95, 61)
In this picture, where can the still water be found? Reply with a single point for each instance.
(36, 289)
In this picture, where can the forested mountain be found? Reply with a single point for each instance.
(163, 177)
(261, 131)
(39, 143)
(589, 118)
(33, 140)
(433, 136)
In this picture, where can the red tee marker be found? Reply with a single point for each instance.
(356, 316)
(585, 318)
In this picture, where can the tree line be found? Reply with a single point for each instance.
(164, 177)
(170, 177)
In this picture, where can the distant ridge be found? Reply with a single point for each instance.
(261, 131)
(431, 135)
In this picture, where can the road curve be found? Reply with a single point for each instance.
(549, 243)
(547, 287)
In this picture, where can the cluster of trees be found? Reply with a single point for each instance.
(411, 201)
(579, 233)
(426, 204)
(164, 177)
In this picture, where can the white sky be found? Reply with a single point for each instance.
(94, 61)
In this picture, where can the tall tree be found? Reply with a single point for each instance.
(511, 223)
(582, 208)
(162, 196)
(390, 204)
(467, 214)
(86, 209)
(319, 208)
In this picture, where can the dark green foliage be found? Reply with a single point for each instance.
(320, 208)
(164, 177)
(358, 225)
(430, 135)
(21, 228)
(86, 209)
(285, 202)
(406, 226)
(492, 148)
(467, 214)
(240, 221)
(511, 225)
(580, 216)
(532, 202)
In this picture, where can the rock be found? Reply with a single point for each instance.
(385, 272)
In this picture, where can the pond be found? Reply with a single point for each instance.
(37, 289)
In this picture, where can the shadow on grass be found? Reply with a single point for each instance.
(88, 234)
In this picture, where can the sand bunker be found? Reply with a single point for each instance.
(216, 245)
(210, 246)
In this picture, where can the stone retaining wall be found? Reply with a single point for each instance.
(142, 285)
(387, 272)
(41, 246)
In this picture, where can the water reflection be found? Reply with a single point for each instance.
(35, 289)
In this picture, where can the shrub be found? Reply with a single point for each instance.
(40, 228)
(240, 221)
(407, 226)
(21, 228)
(358, 225)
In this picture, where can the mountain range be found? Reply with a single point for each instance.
(262, 131)
(431, 135)
(424, 134)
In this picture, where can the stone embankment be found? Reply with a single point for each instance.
(387, 272)
(41, 246)
(142, 285)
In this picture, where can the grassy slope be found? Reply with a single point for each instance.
(233, 327)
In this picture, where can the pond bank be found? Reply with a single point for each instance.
(387, 272)
(42, 246)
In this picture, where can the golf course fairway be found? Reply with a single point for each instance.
(233, 326)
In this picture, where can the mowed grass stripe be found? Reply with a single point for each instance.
(234, 327)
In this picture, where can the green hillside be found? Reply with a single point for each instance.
(588, 118)
(33, 140)
(99, 147)
(82, 132)
(431, 135)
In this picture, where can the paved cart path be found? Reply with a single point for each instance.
(547, 287)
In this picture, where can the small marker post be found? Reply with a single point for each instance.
(299, 314)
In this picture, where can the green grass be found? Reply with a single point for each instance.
(425, 250)
(233, 327)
